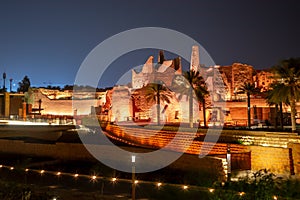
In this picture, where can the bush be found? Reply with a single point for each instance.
(259, 185)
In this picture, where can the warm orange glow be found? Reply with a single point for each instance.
(58, 173)
(211, 190)
(185, 187)
(76, 175)
(159, 184)
(136, 182)
(114, 179)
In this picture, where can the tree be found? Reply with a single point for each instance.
(197, 85)
(68, 87)
(24, 85)
(50, 87)
(287, 73)
(192, 86)
(201, 93)
(157, 92)
(248, 89)
(276, 96)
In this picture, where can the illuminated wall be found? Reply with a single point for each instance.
(64, 106)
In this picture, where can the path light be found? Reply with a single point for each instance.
(228, 159)
(133, 159)
(26, 170)
(58, 173)
(136, 182)
(185, 187)
(1, 166)
(133, 177)
(94, 177)
(76, 175)
(114, 179)
(241, 193)
(275, 197)
(159, 184)
(211, 190)
(11, 168)
(42, 171)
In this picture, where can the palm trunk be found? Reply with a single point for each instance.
(281, 115)
(191, 108)
(293, 113)
(249, 114)
(158, 108)
(204, 112)
(276, 116)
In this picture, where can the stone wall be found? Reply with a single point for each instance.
(77, 152)
(277, 160)
(296, 156)
(59, 150)
(259, 111)
(271, 158)
(121, 104)
(259, 138)
(263, 79)
(64, 107)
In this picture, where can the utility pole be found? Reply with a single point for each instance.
(4, 77)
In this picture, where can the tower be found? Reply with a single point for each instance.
(195, 60)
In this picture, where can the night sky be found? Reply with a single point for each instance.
(48, 40)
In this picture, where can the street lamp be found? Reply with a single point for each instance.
(228, 159)
(133, 178)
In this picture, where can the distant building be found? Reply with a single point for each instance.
(128, 103)
(60, 102)
(234, 77)
(11, 105)
(263, 79)
(164, 70)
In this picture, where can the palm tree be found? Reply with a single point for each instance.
(201, 93)
(287, 72)
(157, 92)
(276, 96)
(193, 87)
(248, 89)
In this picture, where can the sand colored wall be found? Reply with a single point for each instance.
(296, 156)
(274, 159)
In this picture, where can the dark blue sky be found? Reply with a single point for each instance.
(48, 40)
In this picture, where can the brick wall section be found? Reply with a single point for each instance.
(261, 138)
(296, 156)
(157, 139)
(274, 159)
